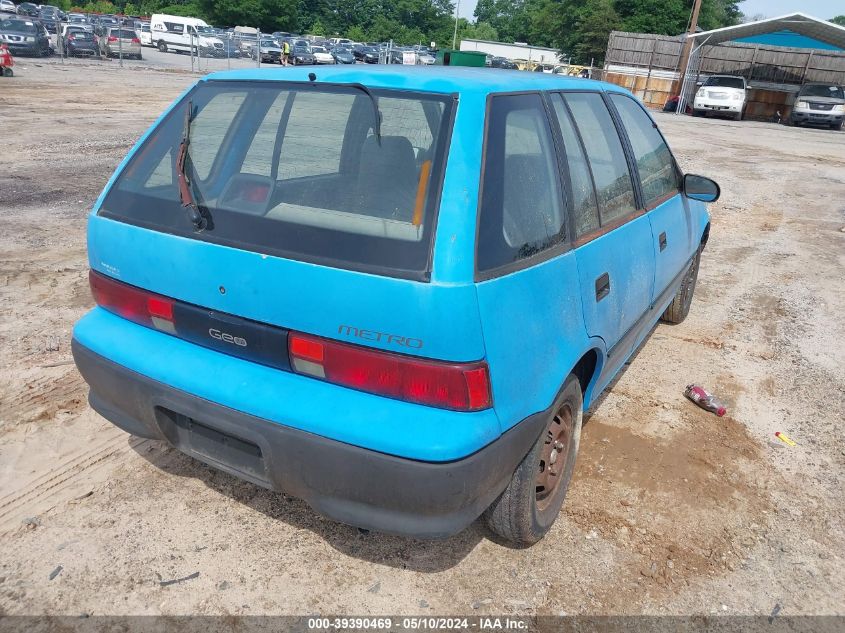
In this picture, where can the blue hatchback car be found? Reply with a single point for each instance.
(389, 292)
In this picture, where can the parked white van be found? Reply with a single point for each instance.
(173, 32)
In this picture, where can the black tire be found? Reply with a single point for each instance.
(162, 46)
(836, 126)
(525, 512)
(8, 72)
(679, 308)
(699, 113)
(738, 116)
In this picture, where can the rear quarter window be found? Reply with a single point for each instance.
(521, 211)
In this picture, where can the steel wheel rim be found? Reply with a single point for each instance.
(554, 456)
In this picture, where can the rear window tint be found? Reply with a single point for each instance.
(522, 211)
(298, 171)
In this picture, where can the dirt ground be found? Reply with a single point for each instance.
(672, 509)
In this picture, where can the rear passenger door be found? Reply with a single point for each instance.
(660, 183)
(613, 238)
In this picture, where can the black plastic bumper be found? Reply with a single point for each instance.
(346, 483)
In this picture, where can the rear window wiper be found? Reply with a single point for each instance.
(376, 111)
(186, 194)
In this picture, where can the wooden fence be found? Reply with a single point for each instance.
(641, 62)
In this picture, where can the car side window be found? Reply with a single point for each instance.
(585, 210)
(614, 188)
(521, 205)
(658, 175)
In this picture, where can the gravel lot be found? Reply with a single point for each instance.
(672, 510)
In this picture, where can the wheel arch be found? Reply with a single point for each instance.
(587, 370)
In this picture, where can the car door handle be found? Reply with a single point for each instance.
(602, 287)
(662, 241)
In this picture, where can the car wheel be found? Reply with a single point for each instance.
(699, 113)
(679, 308)
(738, 116)
(139, 57)
(162, 47)
(532, 500)
(836, 126)
(8, 72)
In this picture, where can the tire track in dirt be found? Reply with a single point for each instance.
(41, 398)
(74, 478)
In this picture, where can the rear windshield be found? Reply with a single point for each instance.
(297, 170)
(81, 35)
(835, 92)
(726, 82)
(124, 34)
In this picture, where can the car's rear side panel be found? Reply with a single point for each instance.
(534, 332)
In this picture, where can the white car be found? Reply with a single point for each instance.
(8, 6)
(722, 94)
(322, 55)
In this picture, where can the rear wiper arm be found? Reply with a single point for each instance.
(376, 111)
(186, 195)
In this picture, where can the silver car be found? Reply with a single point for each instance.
(117, 41)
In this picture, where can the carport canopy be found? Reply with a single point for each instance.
(796, 30)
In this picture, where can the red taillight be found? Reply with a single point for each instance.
(135, 40)
(112, 38)
(70, 37)
(132, 303)
(463, 386)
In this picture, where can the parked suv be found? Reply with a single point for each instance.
(401, 315)
(721, 94)
(819, 104)
(120, 41)
(24, 36)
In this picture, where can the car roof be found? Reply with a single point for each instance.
(438, 79)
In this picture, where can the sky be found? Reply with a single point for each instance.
(770, 8)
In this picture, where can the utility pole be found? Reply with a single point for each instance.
(455, 36)
(685, 52)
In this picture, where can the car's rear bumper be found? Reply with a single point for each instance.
(346, 483)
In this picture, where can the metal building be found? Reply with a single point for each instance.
(537, 54)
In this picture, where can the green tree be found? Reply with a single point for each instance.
(839, 19)
(188, 10)
(317, 28)
(479, 31)
(512, 19)
(356, 33)
(267, 15)
(579, 28)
